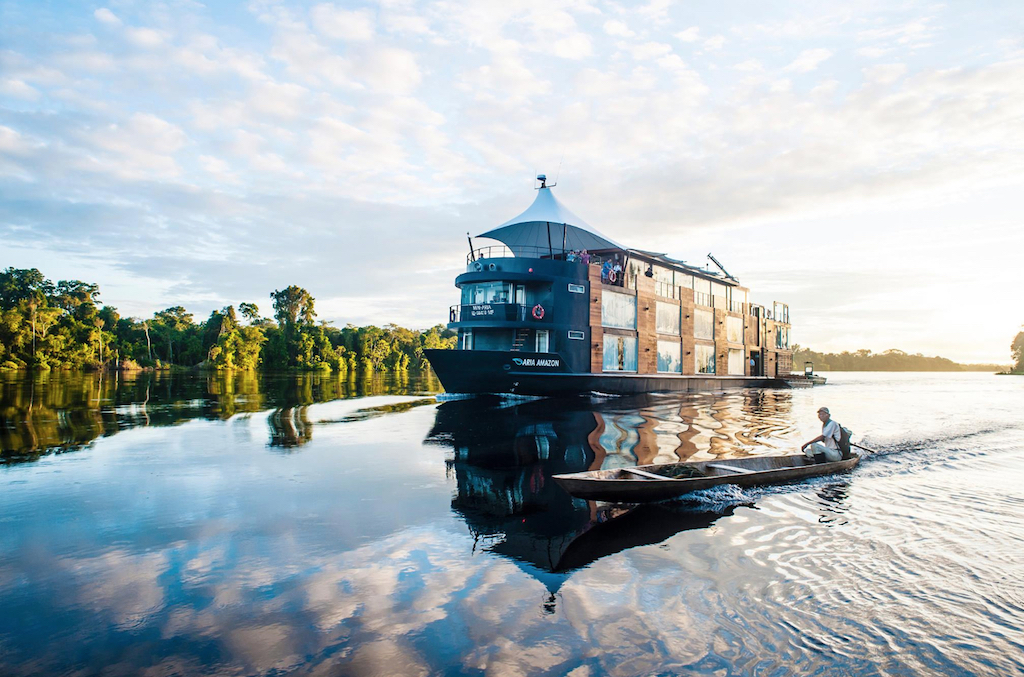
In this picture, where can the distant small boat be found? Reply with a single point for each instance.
(645, 483)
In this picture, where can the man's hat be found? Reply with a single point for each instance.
(824, 409)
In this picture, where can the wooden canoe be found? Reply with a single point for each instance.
(645, 483)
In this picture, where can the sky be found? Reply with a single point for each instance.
(860, 161)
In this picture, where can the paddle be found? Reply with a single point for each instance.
(854, 444)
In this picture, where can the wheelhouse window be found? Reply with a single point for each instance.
(703, 324)
(487, 292)
(619, 353)
(466, 339)
(705, 359)
(618, 310)
(669, 357)
(668, 320)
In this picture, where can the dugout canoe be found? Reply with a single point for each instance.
(646, 483)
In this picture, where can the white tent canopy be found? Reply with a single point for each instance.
(544, 224)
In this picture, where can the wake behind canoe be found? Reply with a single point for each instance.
(645, 483)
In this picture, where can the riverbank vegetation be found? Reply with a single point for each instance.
(63, 325)
(1017, 352)
(890, 360)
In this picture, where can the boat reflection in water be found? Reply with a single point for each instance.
(502, 455)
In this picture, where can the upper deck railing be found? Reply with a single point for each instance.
(503, 252)
(507, 312)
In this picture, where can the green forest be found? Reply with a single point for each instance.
(890, 360)
(63, 325)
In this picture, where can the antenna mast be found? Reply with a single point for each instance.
(721, 267)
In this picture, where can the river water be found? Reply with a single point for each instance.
(243, 525)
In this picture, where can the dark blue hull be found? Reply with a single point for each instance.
(519, 373)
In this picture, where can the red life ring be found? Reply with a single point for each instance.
(611, 276)
(538, 312)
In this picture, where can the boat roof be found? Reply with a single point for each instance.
(683, 266)
(544, 222)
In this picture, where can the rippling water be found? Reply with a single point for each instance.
(309, 525)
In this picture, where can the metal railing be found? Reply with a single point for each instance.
(528, 252)
(702, 299)
(506, 312)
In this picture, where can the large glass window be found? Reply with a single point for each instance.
(486, 292)
(703, 324)
(735, 362)
(466, 339)
(618, 310)
(668, 321)
(669, 357)
(619, 353)
(705, 358)
(734, 329)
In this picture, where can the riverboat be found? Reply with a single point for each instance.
(646, 483)
(558, 308)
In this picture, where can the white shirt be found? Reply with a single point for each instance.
(830, 431)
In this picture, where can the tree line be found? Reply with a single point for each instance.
(890, 360)
(63, 325)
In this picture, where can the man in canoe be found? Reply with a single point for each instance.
(824, 447)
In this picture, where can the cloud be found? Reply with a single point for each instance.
(145, 37)
(809, 60)
(749, 66)
(691, 34)
(714, 43)
(18, 89)
(885, 74)
(618, 29)
(341, 24)
(104, 15)
(649, 50)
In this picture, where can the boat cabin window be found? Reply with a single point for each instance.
(466, 339)
(542, 340)
(486, 292)
(668, 320)
(703, 324)
(669, 357)
(705, 358)
(618, 310)
(577, 335)
(619, 353)
(520, 294)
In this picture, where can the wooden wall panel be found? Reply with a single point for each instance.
(596, 330)
(689, 359)
(647, 337)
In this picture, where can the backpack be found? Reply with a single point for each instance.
(844, 441)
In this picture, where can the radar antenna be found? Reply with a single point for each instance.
(544, 182)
